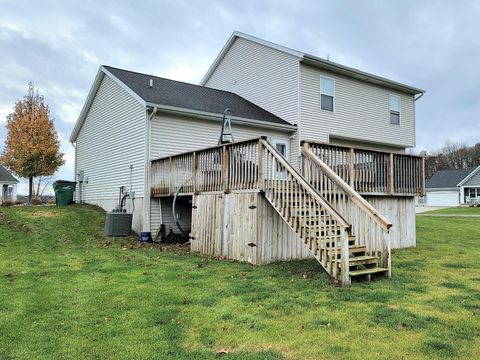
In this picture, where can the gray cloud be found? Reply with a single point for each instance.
(59, 46)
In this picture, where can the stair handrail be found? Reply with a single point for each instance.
(307, 186)
(383, 222)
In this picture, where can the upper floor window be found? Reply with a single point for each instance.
(327, 93)
(394, 102)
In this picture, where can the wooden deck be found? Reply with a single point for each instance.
(320, 204)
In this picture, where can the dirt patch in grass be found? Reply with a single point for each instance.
(44, 214)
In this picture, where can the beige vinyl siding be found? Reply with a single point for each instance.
(361, 111)
(111, 139)
(265, 76)
(474, 180)
(172, 135)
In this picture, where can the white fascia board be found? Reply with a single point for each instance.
(124, 87)
(87, 104)
(219, 117)
(231, 40)
(91, 95)
(469, 176)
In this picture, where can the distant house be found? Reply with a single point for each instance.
(453, 187)
(8, 185)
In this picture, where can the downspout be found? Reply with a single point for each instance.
(419, 96)
(75, 175)
(146, 195)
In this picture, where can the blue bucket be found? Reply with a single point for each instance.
(146, 236)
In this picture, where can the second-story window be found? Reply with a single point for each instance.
(394, 103)
(327, 93)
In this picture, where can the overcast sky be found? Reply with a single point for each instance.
(59, 45)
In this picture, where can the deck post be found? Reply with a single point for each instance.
(195, 172)
(345, 259)
(225, 167)
(387, 253)
(422, 177)
(351, 167)
(391, 187)
(261, 165)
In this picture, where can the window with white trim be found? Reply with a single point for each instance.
(394, 104)
(327, 93)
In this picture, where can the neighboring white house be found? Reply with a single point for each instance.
(288, 96)
(8, 185)
(453, 187)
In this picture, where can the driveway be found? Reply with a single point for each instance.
(422, 209)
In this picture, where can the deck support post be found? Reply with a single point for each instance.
(225, 167)
(345, 259)
(387, 253)
(391, 187)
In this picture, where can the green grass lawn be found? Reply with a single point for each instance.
(69, 292)
(457, 211)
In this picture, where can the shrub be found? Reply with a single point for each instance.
(51, 202)
(18, 202)
(7, 203)
(36, 201)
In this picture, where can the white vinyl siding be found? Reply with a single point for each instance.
(265, 76)
(111, 139)
(361, 111)
(173, 134)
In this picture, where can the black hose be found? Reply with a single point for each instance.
(121, 201)
(174, 213)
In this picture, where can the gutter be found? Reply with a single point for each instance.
(358, 74)
(219, 117)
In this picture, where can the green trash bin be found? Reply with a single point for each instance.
(64, 192)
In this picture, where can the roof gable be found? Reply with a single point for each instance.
(470, 176)
(447, 178)
(6, 176)
(313, 61)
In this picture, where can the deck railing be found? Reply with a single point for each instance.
(373, 172)
(223, 168)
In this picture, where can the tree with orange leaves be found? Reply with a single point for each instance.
(32, 147)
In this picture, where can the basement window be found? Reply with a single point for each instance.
(327, 93)
(394, 104)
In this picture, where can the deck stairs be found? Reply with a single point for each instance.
(321, 225)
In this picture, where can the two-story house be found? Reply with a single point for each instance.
(328, 102)
(316, 167)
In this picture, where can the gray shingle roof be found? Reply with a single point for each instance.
(447, 178)
(6, 176)
(188, 96)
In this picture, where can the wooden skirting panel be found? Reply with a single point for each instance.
(244, 227)
(401, 212)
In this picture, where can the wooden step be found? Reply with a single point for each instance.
(360, 260)
(375, 270)
(352, 249)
